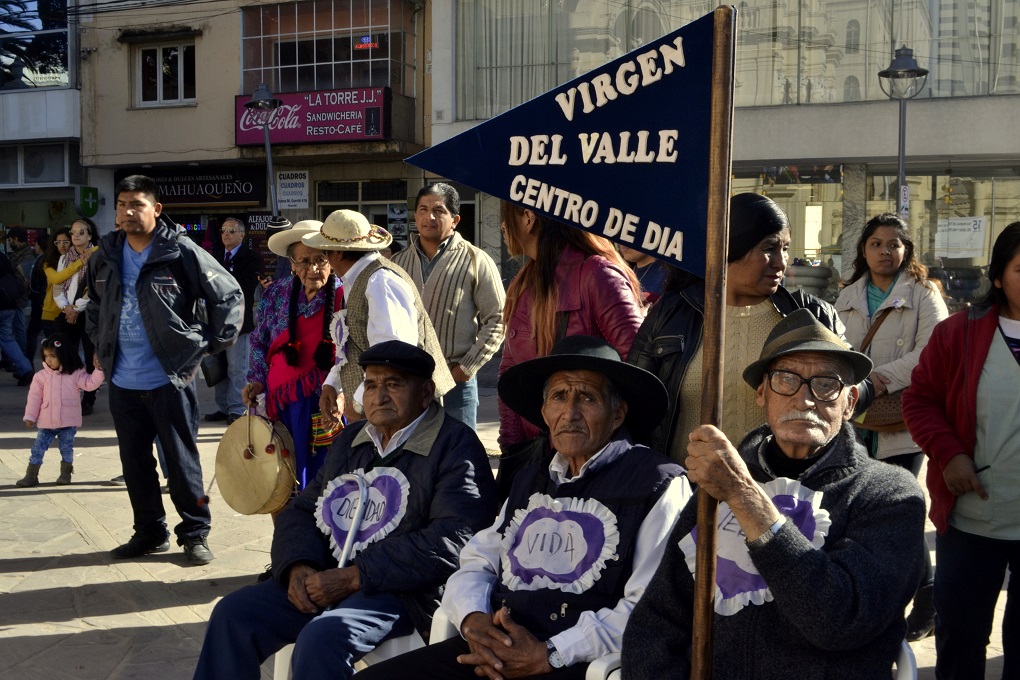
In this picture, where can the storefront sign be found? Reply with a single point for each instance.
(317, 117)
(622, 151)
(292, 189)
(222, 185)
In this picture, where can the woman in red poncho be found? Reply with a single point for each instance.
(291, 346)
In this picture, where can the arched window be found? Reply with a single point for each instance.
(853, 37)
(851, 89)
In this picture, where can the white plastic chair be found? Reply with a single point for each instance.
(906, 664)
(387, 650)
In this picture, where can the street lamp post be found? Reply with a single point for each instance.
(903, 80)
(262, 100)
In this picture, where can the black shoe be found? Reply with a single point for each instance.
(140, 545)
(197, 550)
(921, 631)
(24, 380)
(216, 417)
(87, 409)
(231, 418)
(118, 480)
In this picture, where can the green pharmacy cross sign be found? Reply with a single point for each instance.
(87, 201)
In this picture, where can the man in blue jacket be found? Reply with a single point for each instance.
(431, 489)
(157, 304)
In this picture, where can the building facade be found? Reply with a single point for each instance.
(164, 89)
(40, 125)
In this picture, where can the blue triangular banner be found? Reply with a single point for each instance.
(622, 151)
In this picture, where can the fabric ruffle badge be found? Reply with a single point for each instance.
(388, 489)
(558, 544)
(737, 581)
(338, 331)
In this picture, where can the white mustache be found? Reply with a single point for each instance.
(810, 416)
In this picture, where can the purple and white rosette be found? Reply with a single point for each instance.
(338, 331)
(558, 544)
(737, 581)
(388, 490)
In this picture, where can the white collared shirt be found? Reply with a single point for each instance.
(398, 438)
(391, 311)
(596, 633)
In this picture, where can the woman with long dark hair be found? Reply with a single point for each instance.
(963, 408)
(573, 283)
(72, 296)
(889, 290)
(59, 245)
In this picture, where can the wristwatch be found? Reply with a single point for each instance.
(555, 660)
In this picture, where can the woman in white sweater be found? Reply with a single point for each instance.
(888, 281)
(72, 296)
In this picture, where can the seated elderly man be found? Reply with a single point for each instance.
(818, 545)
(548, 587)
(430, 489)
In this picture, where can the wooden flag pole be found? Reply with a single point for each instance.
(720, 159)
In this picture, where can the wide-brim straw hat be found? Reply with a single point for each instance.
(799, 332)
(520, 387)
(348, 230)
(280, 241)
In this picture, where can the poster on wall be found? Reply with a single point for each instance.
(292, 187)
(396, 221)
(962, 237)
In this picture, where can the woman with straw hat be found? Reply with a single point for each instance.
(291, 347)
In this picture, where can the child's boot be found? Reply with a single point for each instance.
(65, 473)
(31, 477)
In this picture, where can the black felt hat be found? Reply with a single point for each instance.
(801, 331)
(520, 387)
(399, 355)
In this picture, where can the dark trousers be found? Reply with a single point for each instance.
(967, 583)
(171, 415)
(79, 337)
(255, 622)
(439, 662)
(912, 463)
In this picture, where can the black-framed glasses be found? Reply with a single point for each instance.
(319, 263)
(823, 387)
(230, 231)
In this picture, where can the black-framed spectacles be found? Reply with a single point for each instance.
(230, 231)
(788, 383)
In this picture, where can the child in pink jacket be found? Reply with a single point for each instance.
(54, 404)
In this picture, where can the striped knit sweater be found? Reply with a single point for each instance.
(464, 297)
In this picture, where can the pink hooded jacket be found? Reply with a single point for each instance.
(54, 400)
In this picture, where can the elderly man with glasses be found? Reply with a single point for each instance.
(818, 545)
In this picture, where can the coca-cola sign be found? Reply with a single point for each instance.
(317, 117)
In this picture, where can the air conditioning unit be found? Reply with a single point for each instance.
(44, 164)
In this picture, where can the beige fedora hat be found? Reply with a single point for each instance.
(348, 230)
(280, 241)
